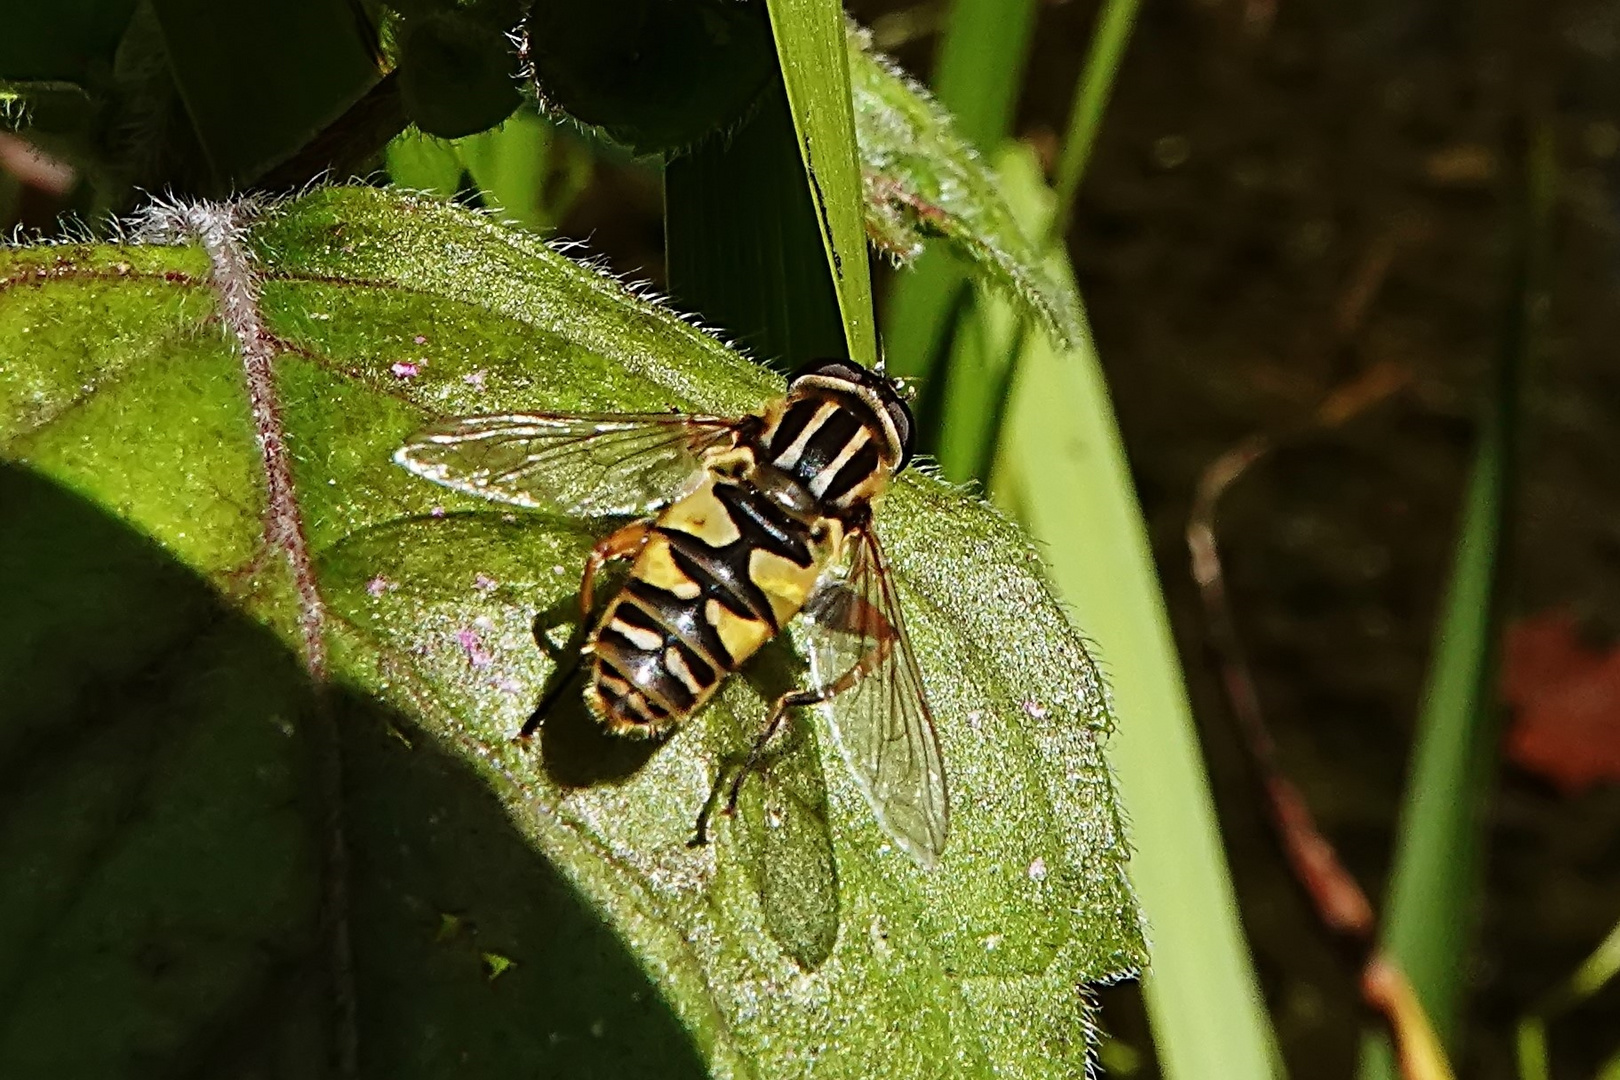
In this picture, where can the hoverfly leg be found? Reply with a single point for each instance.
(855, 615)
(552, 696)
(792, 700)
(625, 543)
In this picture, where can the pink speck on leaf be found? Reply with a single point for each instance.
(485, 584)
(477, 655)
(420, 339)
(437, 511)
(405, 369)
(474, 379)
(1036, 710)
(508, 685)
(378, 585)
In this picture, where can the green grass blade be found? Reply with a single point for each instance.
(1595, 972)
(811, 42)
(1063, 471)
(980, 67)
(1433, 894)
(1090, 99)
(1530, 1048)
(981, 62)
(1429, 911)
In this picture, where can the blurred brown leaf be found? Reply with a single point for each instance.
(1566, 700)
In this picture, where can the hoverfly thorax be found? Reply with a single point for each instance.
(748, 522)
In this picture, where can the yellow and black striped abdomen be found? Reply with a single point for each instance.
(722, 571)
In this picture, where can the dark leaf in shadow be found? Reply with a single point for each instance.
(167, 908)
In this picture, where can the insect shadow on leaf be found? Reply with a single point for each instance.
(781, 816)
(780, 823)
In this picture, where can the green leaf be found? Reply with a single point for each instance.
(810, 43)
(260, 79)
(655, 76)
(526, 170)
(923, 180)
(457, 72)
(172, 771)
(424, 163)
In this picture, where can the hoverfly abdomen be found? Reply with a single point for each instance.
(718, 574)
(648, 674)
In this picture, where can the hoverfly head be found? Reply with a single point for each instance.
(876, 387)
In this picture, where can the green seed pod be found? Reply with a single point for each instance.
(655, 75)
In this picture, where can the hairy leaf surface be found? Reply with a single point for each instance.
(923, 180)
(473, 904)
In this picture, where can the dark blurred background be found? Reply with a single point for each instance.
(1287, 193)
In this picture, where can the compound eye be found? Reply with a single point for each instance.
(901, 415)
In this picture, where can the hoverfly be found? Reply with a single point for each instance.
(747, 522)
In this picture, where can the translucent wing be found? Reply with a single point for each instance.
(610, 463)
(878, 710)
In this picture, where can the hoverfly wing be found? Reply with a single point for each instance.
(590, 464)
(878, 710)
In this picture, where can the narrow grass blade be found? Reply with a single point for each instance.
(812, 46)
(1429, 915)
(1592, 976)
(1090, 99)
(1063, 471)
